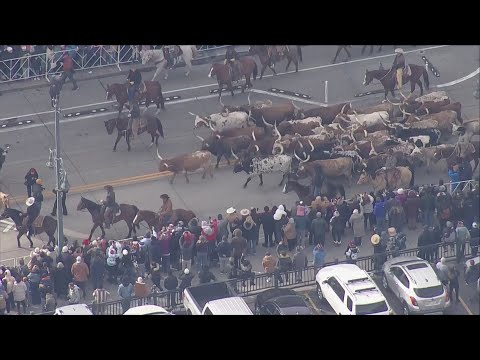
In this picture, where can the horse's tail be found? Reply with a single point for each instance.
(425, 79)
(159, 127)
(299, 53)
(255, 70)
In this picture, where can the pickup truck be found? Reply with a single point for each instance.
(216, 298)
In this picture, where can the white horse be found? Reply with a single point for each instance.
(156, 56)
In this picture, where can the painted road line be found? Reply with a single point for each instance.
(467, 309)
(289, 93)
(9, 225)
(266, 76)
(454, 82)
(293, 98)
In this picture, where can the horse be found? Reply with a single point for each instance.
(157, 56)
(127, 213)
(269, 55)
(151, 94)
(388, 79)
(48, 226)
(122, 124)
(186, 52)
(303, 192)
(153, 220)
(247, 65)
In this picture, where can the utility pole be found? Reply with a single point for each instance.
(58, 172)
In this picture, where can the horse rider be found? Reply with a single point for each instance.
(3, 154)
(134, 80)
(32, 213)
(399, 65)
(4, 200)
(37, 190)
(109, 206)
(231, 58)
(166, 211)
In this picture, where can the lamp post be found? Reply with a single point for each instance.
(58, 172)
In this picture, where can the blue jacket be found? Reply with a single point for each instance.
(379, 209)
(454, 176)
(318, 257)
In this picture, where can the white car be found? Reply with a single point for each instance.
(76, 309)
(350, 291)
(147, 310)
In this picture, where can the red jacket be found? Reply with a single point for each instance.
(67, 63)
(212, 237)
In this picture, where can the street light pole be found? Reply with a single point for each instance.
(58, 169)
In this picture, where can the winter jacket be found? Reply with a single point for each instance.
(401, 198)
(411, 207)
(140, 289)
(156, 251)
(357, 225)
(396, 216)
(80, 272)
(268, 263)
(125, 292)
(463, 235)
(165, 246)
(97, 268)
(442, 271)
(222, 229)
(185, 281)
(170, 282)
(281, 247)
(427, 202)
(61, 278)
(300, 260)
(336, 223)
(352, 253)
(453, 175)
(319, 226)
(379, 209)
(289, 231)
(186, 248)
(224, 249)
(367, 207)
(318, 257)
(267, 222)
(239, 244)
(19, 291)
(202, 247)
(206, 276)
(284, 263)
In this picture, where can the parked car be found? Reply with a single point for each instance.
(414, 282)
(281, 302)
(147, 310)
(76, 309)
(349, 290)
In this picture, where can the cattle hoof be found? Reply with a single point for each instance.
(261, 184)
(114, 150)
(149, 146)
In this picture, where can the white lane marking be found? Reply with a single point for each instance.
(286, 97)
(216, 84)
(10, 225)
(454, 82)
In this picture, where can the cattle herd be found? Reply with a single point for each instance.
(341, 140)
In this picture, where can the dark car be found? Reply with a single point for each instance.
(281, 302)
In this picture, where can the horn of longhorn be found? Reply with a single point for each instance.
(355, 112)
(278, 133)
(403, 95)
(383, 120)
(353, 135)
(253, 135)
(404, 112)
(276, 145)
(295, 106)
(210, 125)
(248, 98)
(394, 104)
(201, 138)
(358, 121)
(221, 102)
(158, 155)
(302, 161)
(266, 124)
(311, 145)
(427, 111)
(235, 156)
(257, 148)
(343, 109)
(225, 114)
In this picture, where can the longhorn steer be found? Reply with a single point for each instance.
(436, 107)
(388, 107)
(219, 122)
(388, 179)
(247, 107)
(187, 163)
(327, 113)
(222, 147)
(331, 168)
(268, 116)
(302, 127)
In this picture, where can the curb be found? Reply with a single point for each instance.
(112, 71)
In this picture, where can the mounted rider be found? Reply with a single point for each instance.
(134, 80)
(109, 206)
(399, 65)
(3, 154)
(166, 211)
(32, 214)
(276, 51)
(231, 59)
(171, 54)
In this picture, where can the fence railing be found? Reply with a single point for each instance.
(30, 66)
(291, 279)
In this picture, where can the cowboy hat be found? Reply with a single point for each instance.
(399, 51)
(186, 271)
(231, 210)
(392, 231)
(244, 212)
(30, 201)
(248, 224)
(39, 181)
(400, 191)
(375, 239)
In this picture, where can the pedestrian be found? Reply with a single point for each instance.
(97, 271)
(205, 275)
(290, 234)
(422, 242)
(268, 263)
(67, 260)
(171, 283)
(284, 265)
(453, 284)
(34, 281)
(351, 254)
(61, 279)
(202, 251)
(99, 298)
(3, 300)
(249, 231)
(412, 205)
(337, 227)
(112, 264)
(37, 193)
(472, 277)
(68, 70)
(125, 291)
(463, 236)
(474, 239)
(453, 174)
(442, 271)
(20, 292)
(186, 242)
(80, 274)
(156, 275)
(239, 246)
(73, 294)
(356, 220)
(301, 221)
(401, 197)
(224, 250)
(340, 48)
(222, 227)
(268, 225)
(379, 212)
(30, 179)
(22, 269)
(427, 206)
(185, 280)
(379, 252)
(367, 210)
(246, 272)
(63, 195)
(8, 285)
(50, 302)
(396, 216)
(318, 257)
(256, 220)
(209, 230)
(300, 262)
(165, 251)
(319, 228)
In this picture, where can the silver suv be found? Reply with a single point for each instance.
(416, 285)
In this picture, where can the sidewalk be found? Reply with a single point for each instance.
(206, 56)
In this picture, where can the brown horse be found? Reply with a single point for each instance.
(127, 213)
(49, 226)
(269, 55)
(388, 78)
(152, 93)
(122, 124)
(224, 75)
(153, 220)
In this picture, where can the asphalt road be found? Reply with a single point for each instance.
(90, 162)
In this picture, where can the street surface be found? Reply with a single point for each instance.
(91, 164)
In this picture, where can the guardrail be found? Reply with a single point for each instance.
(291, 279)
(31, 65)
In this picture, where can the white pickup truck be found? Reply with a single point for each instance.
(216, 298)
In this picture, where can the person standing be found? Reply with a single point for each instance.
(97, 271)
(319, 228)
(99, 298)
(284, 265)
(453, 174)
(453, 284)
(125, 291)
(20, 295)
(463, 235)
(268, 263)
(239, 246)
(379, 212)
(351, 254)
(224, 250)
(68, 70)
(268, 225)
(61, 278)
(80, 274)
(202, 251)
(356, 220)
(63, 194)
(185, 280)
(336, 226)
(318, 257)
(248, 231)
(186, 242)
(290, 234)
(367, 210)
(30, 179)
(427, 205)
(73, 294)
(474, 239)
(170, 283)
(340, 48)
(140, 290)
(205, 275)
(442, 271)
(300, 262)
(379, 253)
(3, 300)
(301, 219)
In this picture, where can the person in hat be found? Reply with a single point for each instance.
(379, 255)
(239, 246)
(474, 239)
(290, 234)
(37, 190)
(351, 253)
(463, 236)
(280, 219)
(398, 66)
(32, 213)
(109, 206)
(268, 264)
(80, 274)
(134, 80)
(233, 219)
(231, 59)
(30, 179)
(185, 280)
(140, 289)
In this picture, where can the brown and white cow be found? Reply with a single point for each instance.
(388, 179)
(302, 127)
(187, 163)
(446, 120)
(327, 113)
(436, 107)
(223, 121)
(247, 107)
(388, 107)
